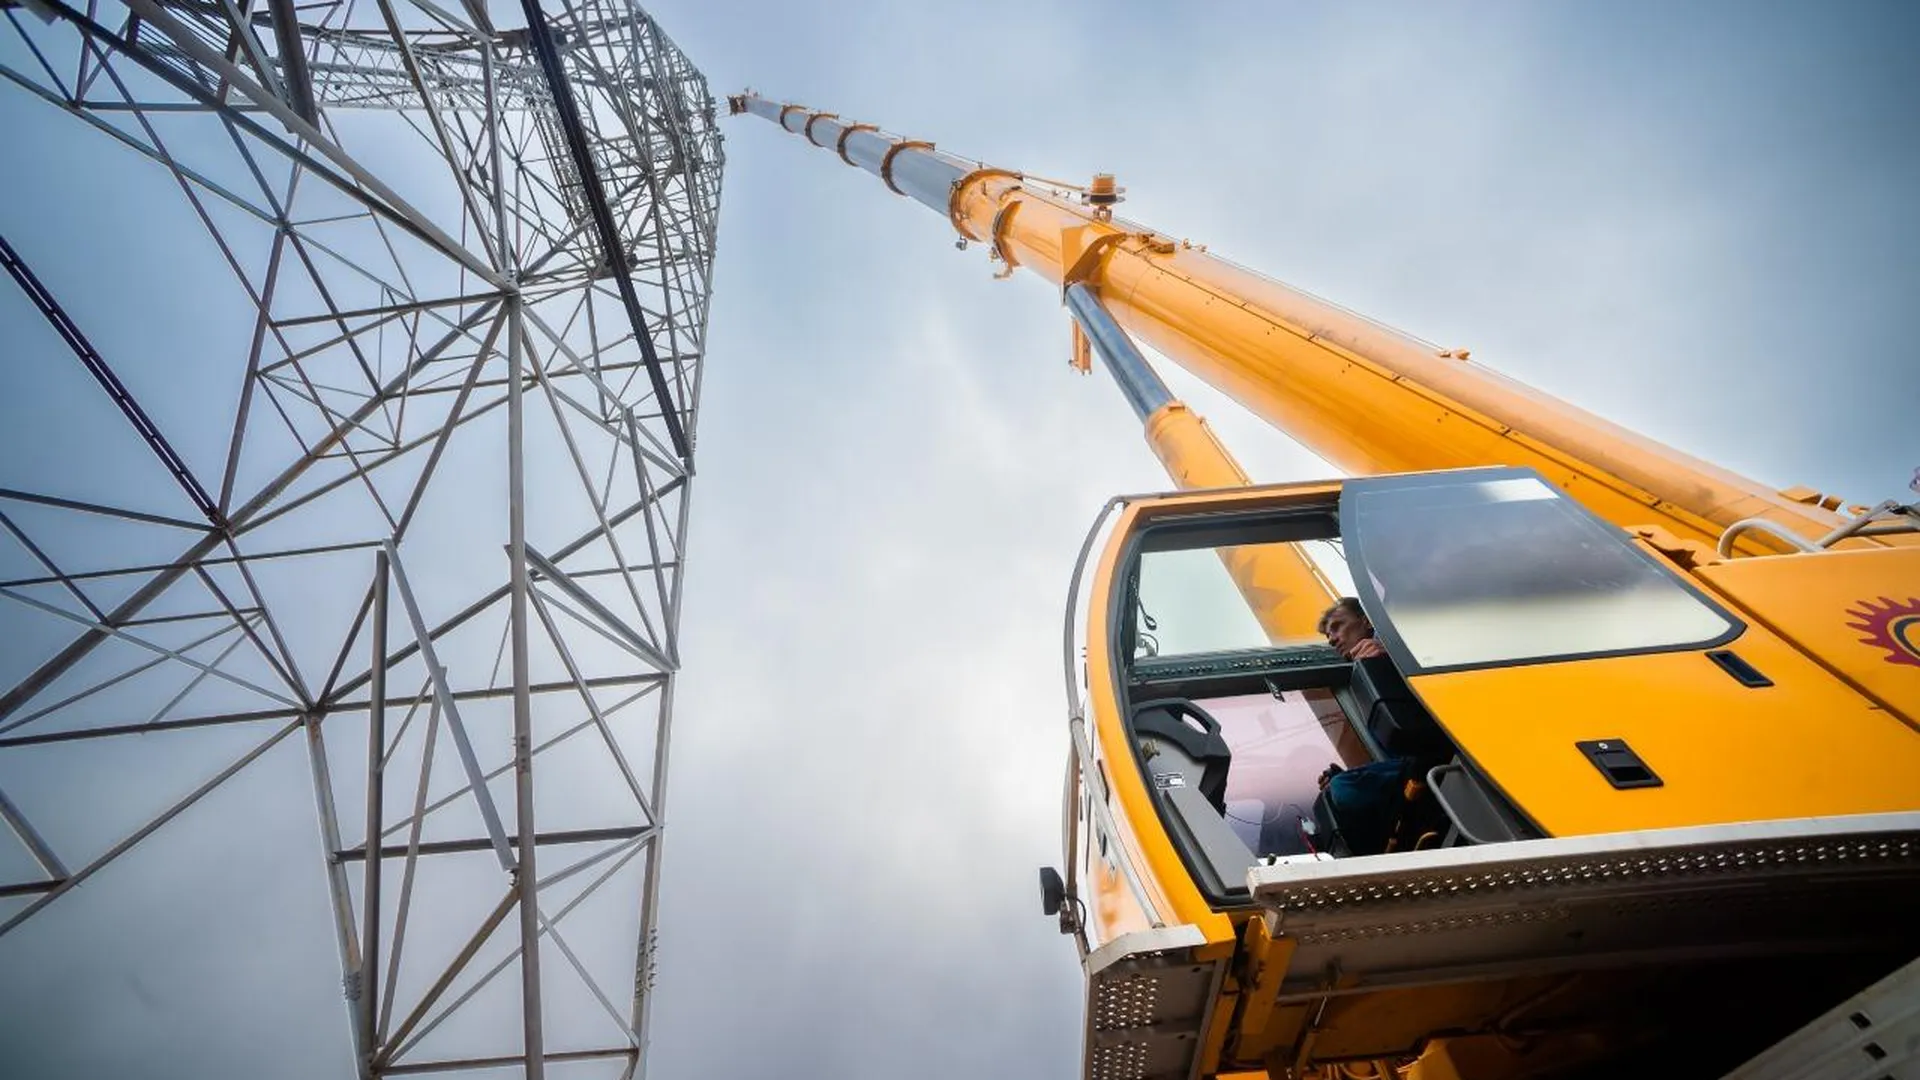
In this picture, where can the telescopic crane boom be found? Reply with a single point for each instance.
(1622, 782)
(1364, 397)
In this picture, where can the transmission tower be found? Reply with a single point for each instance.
(416, 514)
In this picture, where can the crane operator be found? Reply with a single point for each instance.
(1349, 631)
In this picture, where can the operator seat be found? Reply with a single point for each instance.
(1187, 760)
(1384, 805)
(1174, 720)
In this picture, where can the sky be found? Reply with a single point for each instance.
(1697, 223)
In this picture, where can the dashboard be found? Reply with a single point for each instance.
(1281, 667)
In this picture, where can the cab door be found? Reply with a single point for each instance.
(1594, 687)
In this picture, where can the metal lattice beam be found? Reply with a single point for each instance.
(546, 283)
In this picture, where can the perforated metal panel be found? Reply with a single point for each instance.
(1119, 1061)
(1807, 901)
(1538, 867)
(1125, 1003)
(1147, 1010)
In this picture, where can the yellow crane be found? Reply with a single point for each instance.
(1615, 768)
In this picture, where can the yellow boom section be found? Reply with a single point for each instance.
(1364, 397)
(1284, 590)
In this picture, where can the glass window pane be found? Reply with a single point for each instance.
(1280, 748)
(1194, 604)
(1476, 571)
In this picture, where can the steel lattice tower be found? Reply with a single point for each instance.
(439, 558)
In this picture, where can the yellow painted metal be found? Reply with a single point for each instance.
(1170, 890)
(1267, 960)
(1365, 397)
(1192, 454)
(1219, 1025)
(1116, 910)
(1858, 612)
(1491, 1057)
(1808, 746)
(1080, 358)
(1283, 588)
(1832, 735)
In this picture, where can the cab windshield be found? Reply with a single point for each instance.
(1497, 566)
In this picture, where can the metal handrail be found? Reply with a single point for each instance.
(1082, 747)
(1861, 525)
(1779, 532)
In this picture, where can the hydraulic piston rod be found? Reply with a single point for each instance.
(1283, 588)
(1143, 388)
(1366, 398)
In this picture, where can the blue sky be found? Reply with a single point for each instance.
(1696, 222)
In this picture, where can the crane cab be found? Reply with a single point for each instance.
(1584, 812)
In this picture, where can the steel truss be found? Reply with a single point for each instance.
(445, 542)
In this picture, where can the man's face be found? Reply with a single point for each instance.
(1346, 630)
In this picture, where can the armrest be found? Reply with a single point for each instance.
(1479, 817)
(1223, 855)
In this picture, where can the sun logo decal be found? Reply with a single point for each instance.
(1890, 625)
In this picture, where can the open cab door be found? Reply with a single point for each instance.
(1585, 815)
